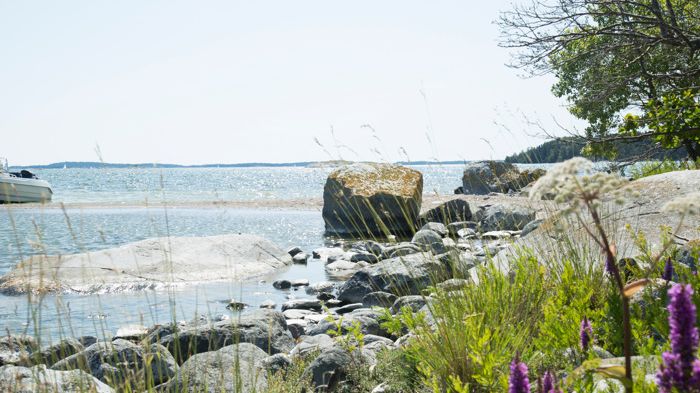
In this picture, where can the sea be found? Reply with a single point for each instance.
(94, 209)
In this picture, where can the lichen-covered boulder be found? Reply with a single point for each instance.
(483, 177)
(372, 199)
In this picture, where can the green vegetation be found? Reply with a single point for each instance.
(562, 149)
(627, 68)
(657, 167)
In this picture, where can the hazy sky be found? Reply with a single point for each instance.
(240, 81)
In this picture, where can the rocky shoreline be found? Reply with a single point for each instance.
(375, 278)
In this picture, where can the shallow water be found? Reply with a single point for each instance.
(36, 230)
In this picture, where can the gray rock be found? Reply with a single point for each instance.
(328, 367)
(453, 284)
(297, 314)
(320, 287)
(484, 177)
(325, 253)
(300, 282)
(236, 305)
(294, 251)
(119, 361)
(466, 233)
(269, 304)
(311, 344)
(61, 350)
(415, 302)
(405, 275)
(282, 284)
(379, 299)
(429, 240)
(436, 227)
(276, 363)
(372, 199)
(451, 211)
(504, 217)
(40, 379)
(296, 327)
(400, 250)
(266, 329)
(16, 349)
(531, 226)
(368, 322)
(364, 257)
(302, 304)
(236, 368)
(348, 308)
(453, 228)
(300, 258)
(495, 235)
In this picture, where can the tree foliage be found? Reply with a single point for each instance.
(630, 68)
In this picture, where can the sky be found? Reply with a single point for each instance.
(195, 82)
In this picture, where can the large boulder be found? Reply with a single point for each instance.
(236, 368)
(405, 275)
(148, 264)
(122, 362)
(40, 379)
(484, 177)
(372, 199)
(266, 329)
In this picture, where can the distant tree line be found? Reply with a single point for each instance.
(558, 150)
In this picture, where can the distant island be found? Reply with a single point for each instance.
(562, 149)
(303, 164)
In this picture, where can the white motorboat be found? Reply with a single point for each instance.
(22, 186)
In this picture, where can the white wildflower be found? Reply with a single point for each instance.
(686, 204)
(574, 181)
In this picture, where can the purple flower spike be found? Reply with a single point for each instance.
(684, 334)
(668, 270)
(585, 334)
(548, 382)
(609, 265)
(518, 381)
(680, 369)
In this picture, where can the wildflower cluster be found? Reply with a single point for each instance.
(680, 369)
(576, 182)
(518, 381)
(688, 204)
(585, 334)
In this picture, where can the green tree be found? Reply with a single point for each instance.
(630, 68)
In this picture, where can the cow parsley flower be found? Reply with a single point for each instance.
(687, 204)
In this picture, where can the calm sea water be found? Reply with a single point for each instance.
(28, 231)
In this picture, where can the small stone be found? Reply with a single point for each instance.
(495, 235)
(379, 299)
(364, 257)
(300, 282)
(466, 233)
(320, 287)
(304, 304)
(269, 304)
(300, 258)
(325, 297)
(348, 308)
(296, 327)
(297, 313)
(436, 227)
(236, 305)
(294, 251)
(282, 284)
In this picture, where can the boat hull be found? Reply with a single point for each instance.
(17, 190)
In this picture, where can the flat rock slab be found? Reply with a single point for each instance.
(148, 264)
(642, 212)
